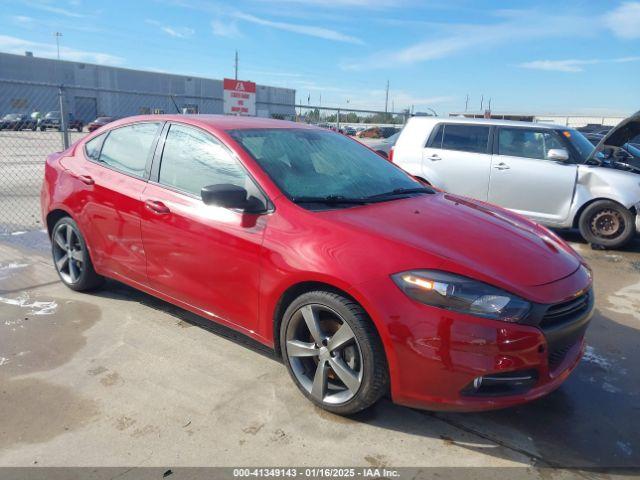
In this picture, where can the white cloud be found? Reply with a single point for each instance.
(450, 39)
(48, 50)
(624, 21)
(177, 32)
(227, 29)
(573, 65)
(51, 9)
(312, 31)
(22, 20)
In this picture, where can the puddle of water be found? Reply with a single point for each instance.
(24, 403)
(41, 333)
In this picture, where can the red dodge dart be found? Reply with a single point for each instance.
(364, 280)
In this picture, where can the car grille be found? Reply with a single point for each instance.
(565, 311)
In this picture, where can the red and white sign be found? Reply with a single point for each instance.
(239, 97)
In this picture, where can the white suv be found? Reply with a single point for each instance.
(544, 172)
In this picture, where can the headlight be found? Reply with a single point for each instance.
(461, 294)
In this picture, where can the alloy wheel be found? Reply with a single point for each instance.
(68, 253)
(324, 354)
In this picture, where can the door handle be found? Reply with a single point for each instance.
(435, 157)
(157, 206)
(502, 166)
(86, 179)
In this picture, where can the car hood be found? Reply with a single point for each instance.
(468, 237)
(622, 133)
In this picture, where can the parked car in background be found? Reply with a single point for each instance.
(384, 145)
(547, 173)
(99, 122)
(378, 132)
(17, 121)
(52, 120)
(365, 281)
(349, 131)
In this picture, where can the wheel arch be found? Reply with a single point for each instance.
(583, 207)
(54, 216)
(300, 288)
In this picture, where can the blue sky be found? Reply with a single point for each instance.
(578, 57)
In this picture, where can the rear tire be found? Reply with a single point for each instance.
(339, 364)
(71, 257)
(607, 224)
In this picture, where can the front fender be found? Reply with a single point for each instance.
(601, 183)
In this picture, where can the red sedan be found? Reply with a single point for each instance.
(364, 280)
(99, 122)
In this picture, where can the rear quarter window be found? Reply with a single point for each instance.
(466, 138)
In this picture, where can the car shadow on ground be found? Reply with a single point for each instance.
(588, 422)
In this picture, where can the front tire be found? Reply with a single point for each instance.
(71, 257)
(607, 223)
(333, 352)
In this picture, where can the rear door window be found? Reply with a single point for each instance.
(466, 138)
(127, 149)
(527, 143)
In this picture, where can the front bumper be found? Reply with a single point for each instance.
(435, 355)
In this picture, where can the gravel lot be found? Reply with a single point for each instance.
(119, 378)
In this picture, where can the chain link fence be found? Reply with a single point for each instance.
(349, 120)
(37, 119)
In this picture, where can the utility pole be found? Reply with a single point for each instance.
(481, 102)
(489, 103)
(58, 35)
(236, 65)
(466, 103)
(386, 98)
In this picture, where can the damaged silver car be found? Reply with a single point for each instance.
(549, 173)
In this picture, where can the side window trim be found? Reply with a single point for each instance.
(437, 130)
(159, 151)
(148, 164)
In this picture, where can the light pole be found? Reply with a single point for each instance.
(58, 35)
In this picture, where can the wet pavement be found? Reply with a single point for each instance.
(117, 377)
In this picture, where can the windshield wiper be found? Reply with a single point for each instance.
(331, 200)
(402, 191)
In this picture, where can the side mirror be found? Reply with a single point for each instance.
(231, 196)
(558, 154)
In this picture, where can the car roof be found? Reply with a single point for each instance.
(218, 122)
(483, 121)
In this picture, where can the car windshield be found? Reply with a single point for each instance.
(308, 164)
(102, 119)
(580, 143)
(11, 116)
(52, 115)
